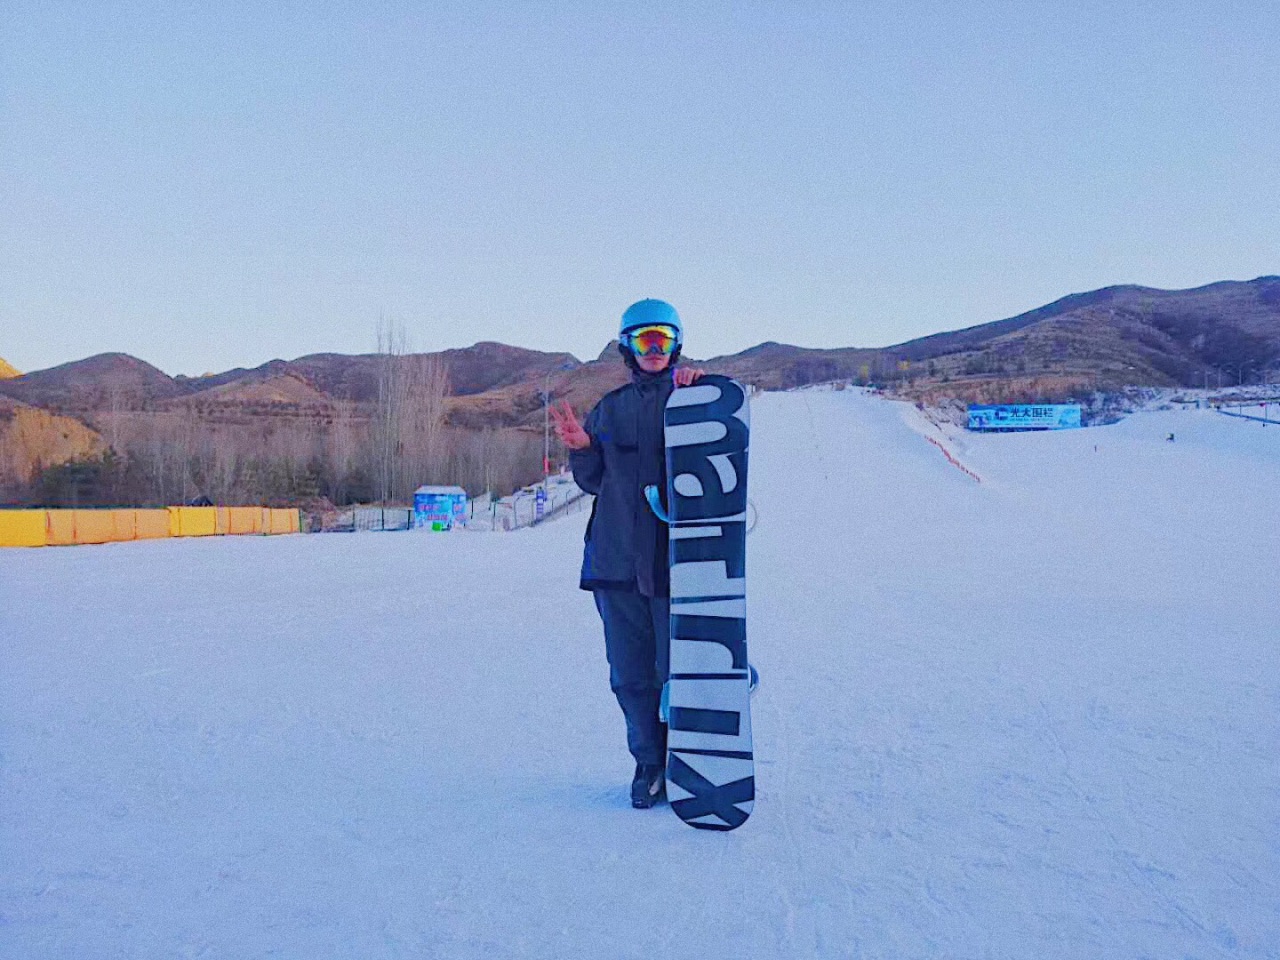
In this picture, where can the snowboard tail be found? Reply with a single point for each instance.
(710, 765)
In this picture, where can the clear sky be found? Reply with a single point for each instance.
(209, 185)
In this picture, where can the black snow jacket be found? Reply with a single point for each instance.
(626, 545)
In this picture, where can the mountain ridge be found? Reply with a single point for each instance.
(1102, 340)
(289, 430)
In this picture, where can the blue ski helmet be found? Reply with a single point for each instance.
(647, 313)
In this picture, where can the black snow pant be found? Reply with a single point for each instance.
(637, 640)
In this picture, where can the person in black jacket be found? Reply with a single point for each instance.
(614, 455)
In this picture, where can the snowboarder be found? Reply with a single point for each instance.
(614, 455)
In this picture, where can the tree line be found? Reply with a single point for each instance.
(280, 455)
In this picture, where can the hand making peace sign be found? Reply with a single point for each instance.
(568, 429)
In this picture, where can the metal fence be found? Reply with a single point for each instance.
(557, 496)
(538, 502)
(1264, 411)
(354, 519)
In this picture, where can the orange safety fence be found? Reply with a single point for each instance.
(37, 528)
(953, 461)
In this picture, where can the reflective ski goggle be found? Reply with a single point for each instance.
(655, 339)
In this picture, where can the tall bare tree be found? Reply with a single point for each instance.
(385, 426)
(407, 424)
(424, 387)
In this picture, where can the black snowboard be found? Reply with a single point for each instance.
(710, 770)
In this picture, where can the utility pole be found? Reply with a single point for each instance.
(546, 428)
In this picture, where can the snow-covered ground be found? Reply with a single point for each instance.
(1032, 716)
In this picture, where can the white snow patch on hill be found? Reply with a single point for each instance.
(1030, 717)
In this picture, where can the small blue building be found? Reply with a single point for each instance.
(439, 508)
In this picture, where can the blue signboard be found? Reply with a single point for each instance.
(1025, 416)
(439, 508)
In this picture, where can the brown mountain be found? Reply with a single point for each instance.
(491, 366)
(96, 383)
(1101, 340)
(520, 401)
(336, 376)
(1207, 321)
(471, 370)
(1104, 340)
(778, 366)
(1111, 338)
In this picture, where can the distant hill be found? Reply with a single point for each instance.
(471, 370)
(1106, 340)
(1099, 341)
(95, 383)
(7, 371)
(778, 366)
(519, 402)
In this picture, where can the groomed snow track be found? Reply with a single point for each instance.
(1031, 717)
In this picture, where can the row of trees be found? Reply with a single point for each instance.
(349, 468)
(347, 453)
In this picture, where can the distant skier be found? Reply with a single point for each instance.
(615, 455)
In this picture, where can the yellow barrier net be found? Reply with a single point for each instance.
(193, 521)
(22, 528)
(151, 524)
(94, 526)
(61, 528)
(38, 528)
(284, 521)
(124, 524)
(244, 520)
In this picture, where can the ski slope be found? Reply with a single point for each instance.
(1032, 716)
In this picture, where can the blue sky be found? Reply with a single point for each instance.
(209, 186)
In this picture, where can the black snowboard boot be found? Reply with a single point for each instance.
(648, 786)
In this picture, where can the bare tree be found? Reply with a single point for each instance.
(345, 444)
(385, 432)
(408, 419)
(424, 388)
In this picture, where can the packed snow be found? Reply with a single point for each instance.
(1020, 698)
